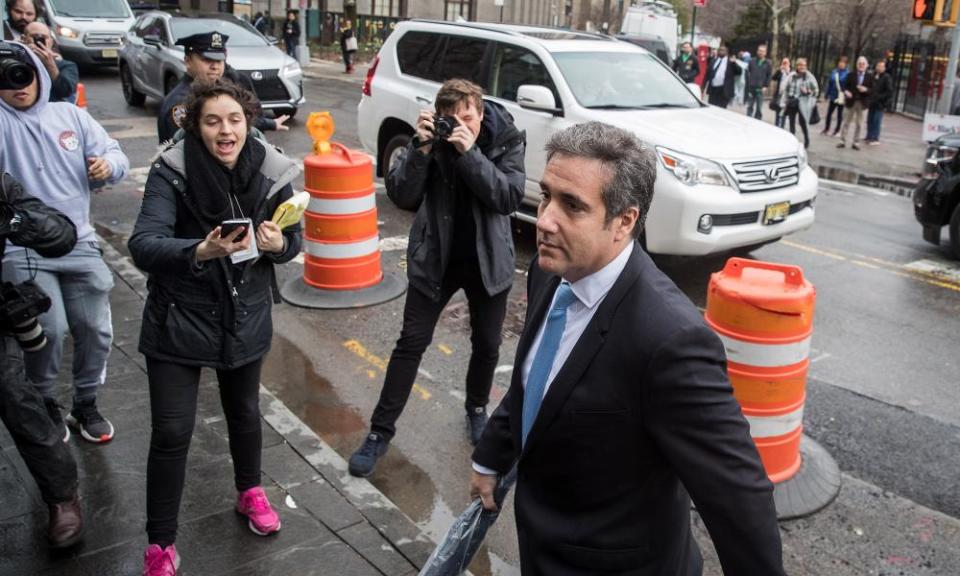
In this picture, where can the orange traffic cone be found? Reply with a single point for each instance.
(81, 95)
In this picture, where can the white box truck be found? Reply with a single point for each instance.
(653, 19)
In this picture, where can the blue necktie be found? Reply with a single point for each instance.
(546, 353)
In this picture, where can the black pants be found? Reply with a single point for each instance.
(347, 60)
(792, 115)
(420, 316)
(717, 97)
(39, 442)
(173, 409)
(830, 108)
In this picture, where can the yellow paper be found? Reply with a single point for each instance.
(289, 212)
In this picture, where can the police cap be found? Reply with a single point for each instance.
(210, 45)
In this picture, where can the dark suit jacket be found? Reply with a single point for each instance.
(733, 70)
(640, 414)
(850, 85)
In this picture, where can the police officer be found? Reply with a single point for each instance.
(205, 57)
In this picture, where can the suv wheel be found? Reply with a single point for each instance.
(955, 232)
(392, 151)
(130, 93)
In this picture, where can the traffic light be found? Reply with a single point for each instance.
(924, 9)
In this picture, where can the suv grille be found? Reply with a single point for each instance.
(103, 40)
(269, 88)
(760, 175)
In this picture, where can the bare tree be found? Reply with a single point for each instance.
(856, 23)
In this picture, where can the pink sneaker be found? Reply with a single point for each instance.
(160, 561)
(254, 505)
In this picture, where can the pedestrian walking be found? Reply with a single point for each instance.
(879, 100)
(463, 172)
(856, 94)
(291, 33)
(721, 79)
(835, 96)
(205, 58)
(22, 409)
(778, 81)
(206, 307)
(799, 99)
(759, 72)
(348, 46)
(686, 65)
(61, 154)
(619, 410)
(64, 74)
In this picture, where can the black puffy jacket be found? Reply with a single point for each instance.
(494, 176)
(42, 228)
(216, 314)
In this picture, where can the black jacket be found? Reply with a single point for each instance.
(688, 70)
(42, 228)
(291, 30)
(850, 85)
(733, 70)
(758, 74)
(639, 418)
(172, 109)
(882, 91)
(65, 86)
(493, 175)
(344, 34)
(214, 314)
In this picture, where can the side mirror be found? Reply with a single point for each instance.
(536, 97)
(152, 40)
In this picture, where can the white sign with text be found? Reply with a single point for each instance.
(937, 125)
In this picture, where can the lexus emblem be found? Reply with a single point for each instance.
(772, 174)
(257, 75)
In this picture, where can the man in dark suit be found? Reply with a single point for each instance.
(721, 78)
(857, 89)
(619, 409)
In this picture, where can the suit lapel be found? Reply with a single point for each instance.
(583, 351)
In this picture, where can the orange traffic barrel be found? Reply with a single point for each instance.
(81, 95)
(763, 313)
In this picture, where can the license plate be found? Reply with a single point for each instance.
(108, 53)
(774, 213)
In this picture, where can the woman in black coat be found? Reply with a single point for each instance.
(347, 51)
(206, 305)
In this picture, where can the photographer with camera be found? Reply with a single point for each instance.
(464, 173)
(64, 74)
(28, 222)
(60, 153)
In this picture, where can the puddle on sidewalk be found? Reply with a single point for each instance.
(290, 375)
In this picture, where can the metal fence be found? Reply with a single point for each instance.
(326, 27)
(919, 68)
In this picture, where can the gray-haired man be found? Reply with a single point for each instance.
(620, 405)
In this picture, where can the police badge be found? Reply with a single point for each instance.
(178, 113)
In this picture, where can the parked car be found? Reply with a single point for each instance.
(89, 33)
(724, 181)
(653, 44)
(151, 64)
(936, 200)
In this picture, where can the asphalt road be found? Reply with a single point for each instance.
(882, 395)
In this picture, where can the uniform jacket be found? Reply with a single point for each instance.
(215, 314)
(493, 176)
(729, 80)
(639, 418)
(850, 85)
(687, 70)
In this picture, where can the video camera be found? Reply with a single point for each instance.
(15, 70)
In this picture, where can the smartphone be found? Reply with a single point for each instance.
(228, 226)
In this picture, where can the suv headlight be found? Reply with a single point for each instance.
(692, 170)
(291, 69)
(801, 159)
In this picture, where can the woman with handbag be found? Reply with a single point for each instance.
(779, 77)
(348, 45)
(799, 98)
(835, 96)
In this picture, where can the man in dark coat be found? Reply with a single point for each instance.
(619, 410)
(464, 173)
(291, 33)
(205, 56)
(759, 72)
(721, 78)
(686, 65)
(879, 100)
(26, 221)
(857, 90)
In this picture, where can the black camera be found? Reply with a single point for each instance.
(20, 304)
(15, 73)
(443, 127)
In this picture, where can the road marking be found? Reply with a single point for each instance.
(360, 350)
(820, 357)
(393, 244)
(943, 269)
(812, 250)
(445, 349)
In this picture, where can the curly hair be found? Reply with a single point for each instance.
(203, 91)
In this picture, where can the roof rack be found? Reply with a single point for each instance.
(514, 29)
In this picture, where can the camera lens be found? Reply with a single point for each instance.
(14, 74)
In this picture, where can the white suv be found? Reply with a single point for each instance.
(724, 180)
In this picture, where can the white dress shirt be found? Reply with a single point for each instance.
(720, 72)
(590, 292)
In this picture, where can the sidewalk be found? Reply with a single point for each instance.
(332, 523)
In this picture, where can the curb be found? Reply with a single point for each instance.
(898, 185)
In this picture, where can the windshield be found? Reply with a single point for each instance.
(90, 8)
(239, 34)
(622, 80)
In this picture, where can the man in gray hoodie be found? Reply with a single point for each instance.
(60, 153)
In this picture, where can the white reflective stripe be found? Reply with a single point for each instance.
(342, 206)
(344, 250)
(765, 355)
(767, 426)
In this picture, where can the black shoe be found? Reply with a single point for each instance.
(477, 421)
(364, 460)
(93, 427)
(53, 409)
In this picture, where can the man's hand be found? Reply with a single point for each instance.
(213, 246)
(425, 130)
(481, 486)
(280, 120)
(461, 137)
(98, 169)
(848, 94)
(47, 56)
(862, 88)
(269, 237)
